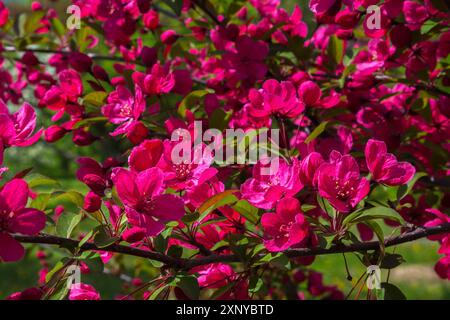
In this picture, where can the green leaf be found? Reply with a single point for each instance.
(405, 189)
(219, 119)
(392, 292)
(71, 196)
(326, 206)
(89, 121)
(247, 210)
(103, 239)
(36, 180)
(58, 27)
(373, 214)
(175, 5)
(188, 284)
(67, 223)
(33, 21)
(58, 266)
(391, 261)
(335, 49)
(219, 200)
(221, 291)
(383, 194)
(375, 227)
(156, 293)
(317, 132)
(256, 285)
(307, 207)
(96, 98)
(191, 100)
(93, 261)
(40, 202)
(85, 238)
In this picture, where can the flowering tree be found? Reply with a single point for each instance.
(360, 98)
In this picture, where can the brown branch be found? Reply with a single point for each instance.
(203, 5)
(179, 263)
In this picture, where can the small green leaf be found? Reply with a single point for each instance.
(58, 27)
(103, 239)
(405, 189)
(317, 132)
(392, 292)
(375, 227)
(67, 223)
(219, 119)
(326, 206)
(373, 214)
(335, 49)
(175, 5)
(247, 210)
(96, 98)
(391, 261)
(33, 21)
(190, 101)
(217, 201)
(188, 284)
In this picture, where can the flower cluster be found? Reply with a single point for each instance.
(362, 111)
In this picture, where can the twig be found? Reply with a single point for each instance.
(214, 258)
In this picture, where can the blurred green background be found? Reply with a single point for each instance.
(416, 277)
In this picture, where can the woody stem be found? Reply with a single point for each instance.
(180, 263)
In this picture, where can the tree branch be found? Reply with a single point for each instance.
(179, 263)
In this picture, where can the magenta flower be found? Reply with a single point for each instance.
(145, 204)
(340, 183)
(384, 166)
(124, 109)
(320, 6)
(17, 129)
(309, 167)
(146, 155)
(247, 61)
(263, 191)
(275, 98)
(15, 218)
(96, 176)
(159, 81)
(286, 227)
(186, 174)
(81, 291)
(58, 98)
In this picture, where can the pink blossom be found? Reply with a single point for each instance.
(145, 204)
(124, 109)
(384, 166)
(17, 129)
(82, 291)
(275, 98)
(186, 173)
(146, 155)
(16, 218)
(264, 191)
(96, 176)
(286, 227)
(309, 167)
(246, 62)
(158, 81)
(340, 183)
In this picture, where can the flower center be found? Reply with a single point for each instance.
(125, 110)
(344, 191)
(146, 205)
(284, 230)
(182, 170)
